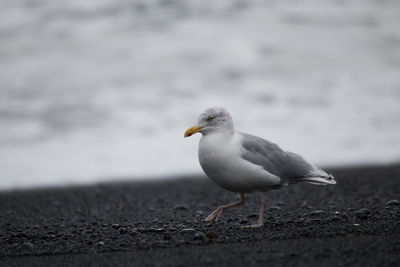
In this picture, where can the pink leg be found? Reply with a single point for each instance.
(260, 221)
(213, 217)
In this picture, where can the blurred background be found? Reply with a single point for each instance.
(102, 90)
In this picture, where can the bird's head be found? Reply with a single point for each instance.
(212, 120)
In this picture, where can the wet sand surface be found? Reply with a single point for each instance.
(355, 223)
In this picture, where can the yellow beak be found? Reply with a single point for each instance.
(192, 130)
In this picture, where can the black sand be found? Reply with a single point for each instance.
(355, 223)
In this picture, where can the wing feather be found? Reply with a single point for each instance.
(287, 165)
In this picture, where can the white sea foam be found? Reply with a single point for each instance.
(97, 90)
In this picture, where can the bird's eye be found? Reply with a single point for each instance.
(210, 118)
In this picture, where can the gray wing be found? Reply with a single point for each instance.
(287, 165)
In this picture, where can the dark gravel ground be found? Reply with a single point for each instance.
(355, 223)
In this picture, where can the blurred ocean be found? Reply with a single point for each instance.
(97, 90)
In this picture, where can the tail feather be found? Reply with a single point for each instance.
(317, 180)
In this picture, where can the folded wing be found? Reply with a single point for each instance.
(290, 167)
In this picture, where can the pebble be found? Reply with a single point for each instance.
(244, 221)
(180, 207)
(101, 243)
(272, 208)
(123, 230)
(281, 203)
(199, 212)
(317, 212)
(167, 237)
(155, 230)
(393, 202)
(335, 218)
(198, 235)
(304, 203)
(363, 213)
(28, 245)
(211, 235)
(187, 230)
(18, 234)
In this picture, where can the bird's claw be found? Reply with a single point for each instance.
(214, 216)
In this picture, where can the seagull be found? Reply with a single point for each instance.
(244, 163)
